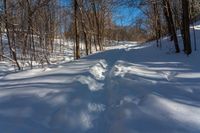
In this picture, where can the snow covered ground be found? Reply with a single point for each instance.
(130, 88)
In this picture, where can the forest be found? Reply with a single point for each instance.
(31, 26)
(99, 66)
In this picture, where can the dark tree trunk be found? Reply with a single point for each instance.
(186, 27)
(13, 52)
(170, 22)
(77, 47)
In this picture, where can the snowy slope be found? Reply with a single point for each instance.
(131, 88)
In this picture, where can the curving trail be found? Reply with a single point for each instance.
(130, 88)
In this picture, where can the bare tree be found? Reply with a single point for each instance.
(170, 23)
(186, 27)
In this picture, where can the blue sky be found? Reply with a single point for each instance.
(122, 16)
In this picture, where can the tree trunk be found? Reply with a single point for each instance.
(77, 46)
(186, 27)
(171, 24)
(13, 52)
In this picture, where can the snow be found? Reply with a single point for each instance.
(98, 70)
(129, 88)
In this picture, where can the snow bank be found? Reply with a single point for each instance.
(131, 88)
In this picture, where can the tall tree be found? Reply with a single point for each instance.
(186, 27)
(77, 45)
(7, 27)
(170, 23)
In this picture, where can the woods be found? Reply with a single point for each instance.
(29, 29)
(174, 17)
(31, 26)
(99, 66)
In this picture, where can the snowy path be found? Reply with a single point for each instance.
(151, 93)
(129, 89)
(138, 105)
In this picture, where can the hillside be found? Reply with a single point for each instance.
(130, 88)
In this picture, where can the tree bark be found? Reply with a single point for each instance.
(186, 27)
(13, 52)
(77, 46)
(170, 22)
